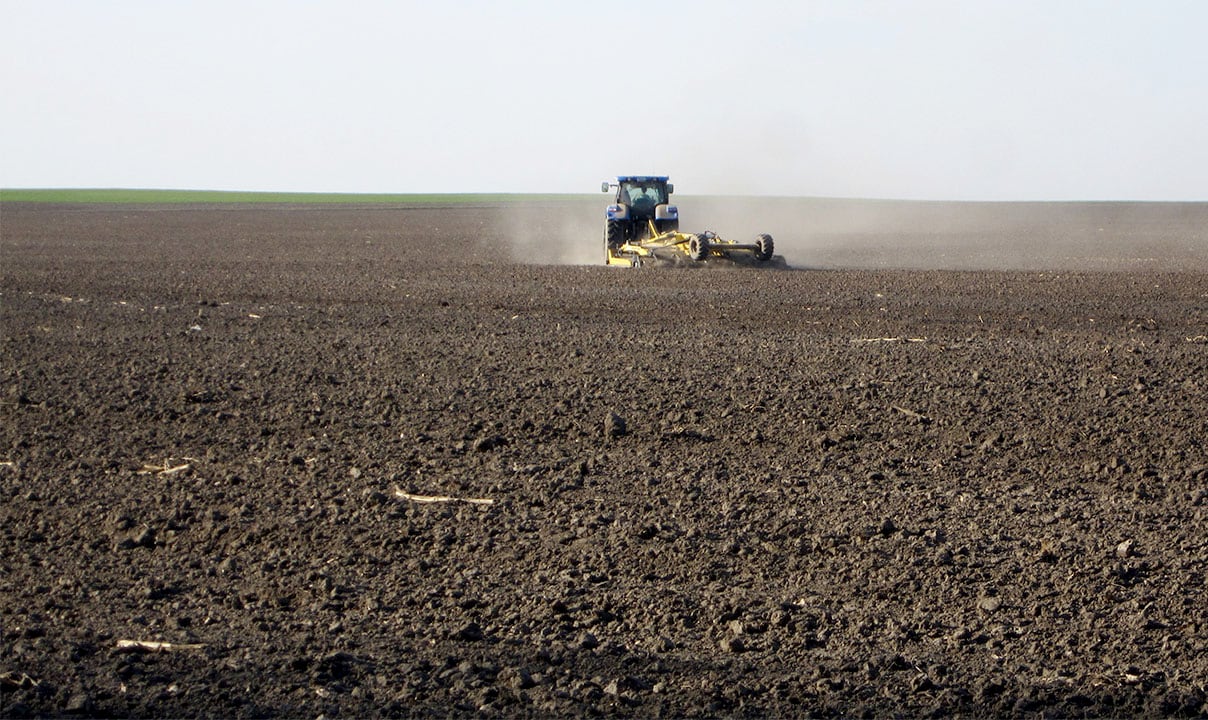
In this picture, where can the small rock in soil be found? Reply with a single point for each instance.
(989, 603)
(78, 703)
(1124, 549)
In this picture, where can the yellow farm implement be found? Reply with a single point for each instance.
(674, 246)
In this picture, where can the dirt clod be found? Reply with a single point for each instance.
(615, 426)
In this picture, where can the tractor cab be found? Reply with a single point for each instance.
(641, 194)
(640, 206)
(642, 197)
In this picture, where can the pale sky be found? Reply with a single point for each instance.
(931, 99)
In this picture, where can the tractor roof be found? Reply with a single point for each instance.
(642, 178)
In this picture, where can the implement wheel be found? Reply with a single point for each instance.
(764, 247)
(698, 247)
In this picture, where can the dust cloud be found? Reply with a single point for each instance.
(556, 232)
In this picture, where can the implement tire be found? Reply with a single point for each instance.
(698, 247)
(764, 248)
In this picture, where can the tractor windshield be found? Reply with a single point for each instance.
(643, 195)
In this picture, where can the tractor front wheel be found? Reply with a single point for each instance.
(764, 247)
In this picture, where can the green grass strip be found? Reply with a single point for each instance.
(120, 196)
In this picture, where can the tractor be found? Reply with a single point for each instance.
(641, 225)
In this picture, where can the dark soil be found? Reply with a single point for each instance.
(848, 490)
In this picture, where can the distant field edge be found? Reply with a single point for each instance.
(122, 196)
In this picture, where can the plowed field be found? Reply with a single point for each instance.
(361, 461)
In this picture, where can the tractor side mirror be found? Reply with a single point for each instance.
(670, 188)
(604, 186)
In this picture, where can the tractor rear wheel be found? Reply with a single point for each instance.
(666, 226)
(764, 247)
(613, 238)
(698, 247)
